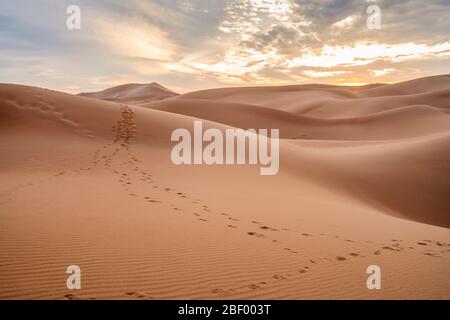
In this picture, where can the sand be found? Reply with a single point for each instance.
(364, 180)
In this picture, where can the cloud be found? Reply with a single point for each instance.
(363, 54)
(382, 72)
(135, 39)
(344, 23)
(192, 44)
(323, 74)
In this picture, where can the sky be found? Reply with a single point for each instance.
(188, 45)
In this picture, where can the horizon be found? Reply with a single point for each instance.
(232, 87)
(262, 85)
(194, 45)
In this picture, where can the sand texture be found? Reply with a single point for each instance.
(364, 180)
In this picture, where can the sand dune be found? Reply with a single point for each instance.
(390, 176)
(335, 102)
(399, 123)
(364, 179)
(133, 93)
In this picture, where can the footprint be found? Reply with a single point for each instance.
(434, 255)
(72, 296)
(268, 228)
(254, 286)
(255, 234)
(217, 291)
(138, 295)
(390, 249)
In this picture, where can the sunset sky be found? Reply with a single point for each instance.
(196, 44)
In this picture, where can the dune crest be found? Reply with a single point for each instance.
(133, 93)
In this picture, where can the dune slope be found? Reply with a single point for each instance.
(133, 93)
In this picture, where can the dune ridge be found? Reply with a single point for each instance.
(133, 93)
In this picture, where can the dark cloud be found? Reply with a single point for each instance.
(402, 20)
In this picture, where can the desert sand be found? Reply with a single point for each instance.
(364, 180)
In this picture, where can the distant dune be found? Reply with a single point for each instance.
(364, 179)
(133, 93)
(325, 101)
